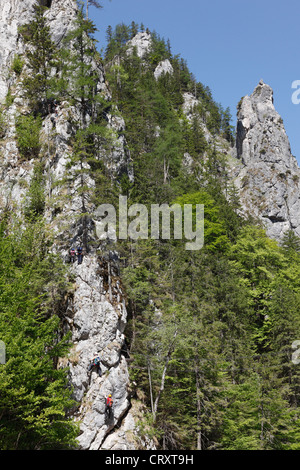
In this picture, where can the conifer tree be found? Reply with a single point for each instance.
(41, 59)
(91, 138)
(290, 242)
(78, 71)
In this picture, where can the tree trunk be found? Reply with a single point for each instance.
(109, 281)
(163, 377)
(199, 433)
(150, 386)
(166, 171)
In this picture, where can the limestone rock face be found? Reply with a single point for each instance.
(60, 16)
(97, 318)
(164, 66)
(267, 174)
(141, 42)
(15, 13)
(96, 313)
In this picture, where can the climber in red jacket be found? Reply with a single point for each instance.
(108, 405)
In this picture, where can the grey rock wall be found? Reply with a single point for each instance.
(97, 318)
(96, 315)
(266, 174)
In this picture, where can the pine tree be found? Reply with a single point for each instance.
(133, 29)
(41, 59)
(35, 198)
(28, 135)
(168, 150)
(290, 242)
(91, 138)
(78, 70)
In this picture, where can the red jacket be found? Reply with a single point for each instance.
(109, 401)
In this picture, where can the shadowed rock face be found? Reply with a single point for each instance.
(45, 3)
(268, 175)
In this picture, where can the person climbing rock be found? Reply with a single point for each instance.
(79, 254)
(72, 255)
(108, 406)
(95, 362)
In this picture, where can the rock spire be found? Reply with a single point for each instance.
(268, 173)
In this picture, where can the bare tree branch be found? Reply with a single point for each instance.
(95, 3)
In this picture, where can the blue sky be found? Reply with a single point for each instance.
(229, 45)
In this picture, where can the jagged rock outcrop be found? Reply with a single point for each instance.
(261, 165)
(96, 313)
(141, 43)
(163, 67)
(266, 174)
(189, 108)
(15, 13)
(97, 318)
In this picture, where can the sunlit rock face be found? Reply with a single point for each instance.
(268, 173)
(96, 312)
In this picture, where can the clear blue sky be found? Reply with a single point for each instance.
(229, 45)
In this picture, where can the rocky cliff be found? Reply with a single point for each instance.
(266, 173)
(96, 312)
(15, 13)
(260, 165)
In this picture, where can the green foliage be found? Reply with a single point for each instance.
(210, 331)
(172, 86)
(28, 135)
(215, 238)
(213, 330)
(34, 397)
(117, 39)
(35, 198)
(290, 243)
(17, 64)
(159, 50)
(78, 77)
(41, 59)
